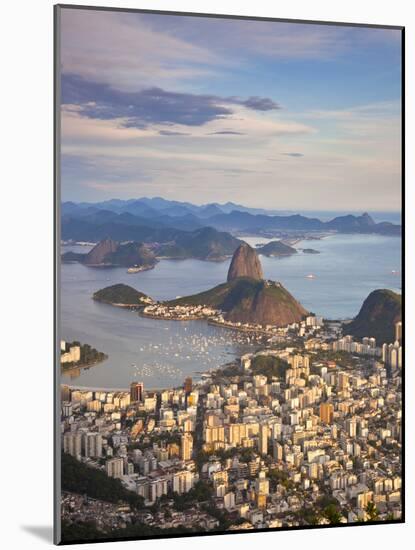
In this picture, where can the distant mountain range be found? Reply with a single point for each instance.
(202, 244)
(155, 219)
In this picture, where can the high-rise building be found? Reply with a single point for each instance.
(136, 391)
(65, 393)
(188, 385)
(72, 444)
(183, 481)
(262, 484)
(351, 427)
(115, 467)
(186, 446)
(236, 432)
(93, 445)
(326, 413)
(277, 450)
(263, 439)
(398, 331)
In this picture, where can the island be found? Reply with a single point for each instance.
(310, 251)
(77, 355)
(275, 249)
(121, 295)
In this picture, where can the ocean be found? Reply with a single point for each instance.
(163, 353)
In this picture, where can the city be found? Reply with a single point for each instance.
(283, 437)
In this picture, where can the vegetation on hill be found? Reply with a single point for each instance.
(132, 253)
(89, 356)
(109, 253)
(81, 531)
(270, 366)
(276, 248)
(82, 479)
(120, 294)
(248, 300)
(310, 251)
(377, 316)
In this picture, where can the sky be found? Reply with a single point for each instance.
(275, 115)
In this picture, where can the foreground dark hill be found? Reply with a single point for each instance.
(377, 316)
(249, 299)
(245, 263)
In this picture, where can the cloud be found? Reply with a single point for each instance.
(295, 155)
(152, 105)
(260, 104)
(173, 133)
(124, 50)
(226, 132)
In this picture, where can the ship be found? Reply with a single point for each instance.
(310, 276)
(134, 269)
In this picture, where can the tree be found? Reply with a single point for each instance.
(372, 512)
(332, 514)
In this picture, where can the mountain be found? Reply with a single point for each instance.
(352, 223)
(162, 213)
(246, 300)
(121, 295)
(99, 254)
(276, 248)
(132, 254)
(245, 263)
(203, 244)
(249, 299)
(109, 253)
(244, 221)
(377, 316)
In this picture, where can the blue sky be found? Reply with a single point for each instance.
(284, 115)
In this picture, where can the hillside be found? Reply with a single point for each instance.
(377, 316)
(82, 479)
(247, 300)
(109, 253)
(246, 297)
(121, 295)
(99, 255)
(203, 244)
(276, 248)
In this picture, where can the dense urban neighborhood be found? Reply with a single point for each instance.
(305, 434)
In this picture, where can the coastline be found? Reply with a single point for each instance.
(66, 370)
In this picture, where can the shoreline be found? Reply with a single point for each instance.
(82, 366)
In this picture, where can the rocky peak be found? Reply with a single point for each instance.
(100, 252)
(245, 263)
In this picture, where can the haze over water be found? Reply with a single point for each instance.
(162, 353)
